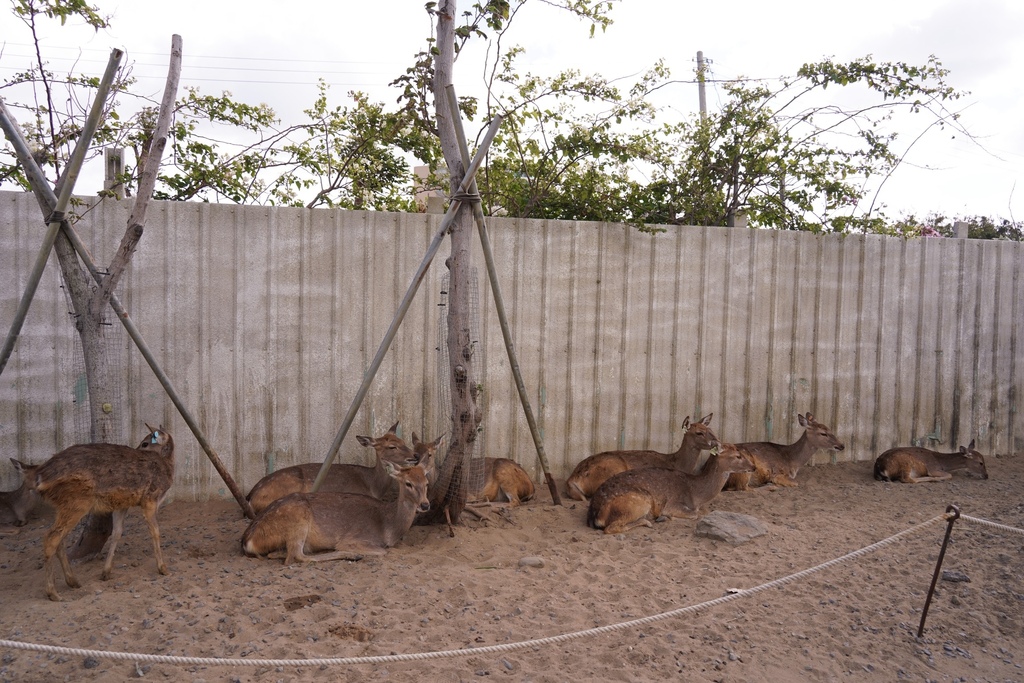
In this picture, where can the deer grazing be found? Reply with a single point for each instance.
(778, 464)
(914, 465)
(634, 497)
(15, 505)
(102, 477)
(341, 478)
(350, 525)
(591, 472)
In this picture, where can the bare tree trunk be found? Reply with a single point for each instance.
(449, 495)
(91, 303)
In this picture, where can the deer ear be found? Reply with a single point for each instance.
(391, 468)
(970, 446)
(394, 428)
(686, 423)
(804, 420)
(706, 420)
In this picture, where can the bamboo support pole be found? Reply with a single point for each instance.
(410, 294)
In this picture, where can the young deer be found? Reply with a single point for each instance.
(632, 498)
(591, 472)
(500, 480)
(370, 480)
(349, 524)
(15, 505)
(778, 464)
(914, 465)
(102, 477)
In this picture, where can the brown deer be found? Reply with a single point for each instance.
(635, 497)
(592, 471)
(102, 478)
(15, 505)
(370, 480)
(349, 524)
(778, 464)
(914, 465)
(501, 480)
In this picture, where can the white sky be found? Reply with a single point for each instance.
(274, 52)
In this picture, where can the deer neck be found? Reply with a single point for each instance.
(688, 455)
(799, 453)
(710, 481)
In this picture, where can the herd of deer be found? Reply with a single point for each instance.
(360, 510)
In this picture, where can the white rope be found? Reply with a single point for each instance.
(995, 525)
(487, 649)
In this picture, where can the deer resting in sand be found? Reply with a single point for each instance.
(102, 477)
(502, 480)
(914, 465)
(349, 525)
(341, 478)
(591, 472)
(778, 464)
(635, 497)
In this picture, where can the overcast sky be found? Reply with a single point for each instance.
(274, 52)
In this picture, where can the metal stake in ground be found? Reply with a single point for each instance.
(955, 512)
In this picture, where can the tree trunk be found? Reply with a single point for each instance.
(449, 495)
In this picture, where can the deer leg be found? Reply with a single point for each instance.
(115, 535)
(53, 545)
(149, 512)
(942, 476)
(783, 480)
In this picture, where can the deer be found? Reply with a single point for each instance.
(370, 480)
(592, 471)
(778, 464)
(634, 497)
(915, 465)
(17, 504)
(348, 526)
(501, 480)
(102, 478)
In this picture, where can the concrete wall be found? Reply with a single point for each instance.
(265, 319)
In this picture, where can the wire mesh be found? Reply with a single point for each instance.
(472, 473)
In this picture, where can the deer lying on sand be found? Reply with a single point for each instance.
(914, 465)
(349, 524)
(635, 497)
(15, 505)
(102, 477)
(778, 464)
(502, 480)
(341, 478)
(591, 472)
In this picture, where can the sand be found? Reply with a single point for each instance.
(853, 621)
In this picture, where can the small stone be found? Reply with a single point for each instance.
(90, 663)
(531, 562)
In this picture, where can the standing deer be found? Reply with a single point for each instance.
(102, 478)
(349, 524)
(913, 465)
(634, 497)
(778, 464)
(370, 480)
(15, 505)
(592, 471)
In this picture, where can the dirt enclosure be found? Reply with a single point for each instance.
(855, 621)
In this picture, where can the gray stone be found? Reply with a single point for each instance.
(731, 527)
(531, 562)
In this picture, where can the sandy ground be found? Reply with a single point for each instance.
(856, 621)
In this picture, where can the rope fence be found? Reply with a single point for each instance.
(505, 647)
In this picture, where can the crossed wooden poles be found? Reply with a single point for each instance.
(53, 207)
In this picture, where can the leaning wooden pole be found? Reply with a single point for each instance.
(60, 204)
(396, 322)
(499, 300)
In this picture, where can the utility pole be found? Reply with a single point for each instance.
(701, 66)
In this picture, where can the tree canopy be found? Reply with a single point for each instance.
(782, 154)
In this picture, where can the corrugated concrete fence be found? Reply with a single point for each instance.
(266, 319)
